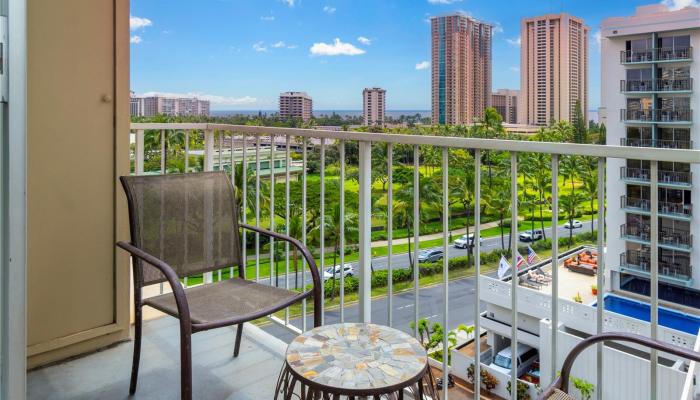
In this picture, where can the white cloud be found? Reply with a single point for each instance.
(136, 39)
(337, 48)
(443, 1)
(364, 40)
(514, 69)
(289, 3)
(598, 38)
(515, 42)
(678, 4)
(138, 22)
(278, 45)
(497, 28)
(267, 18)
(292, 46)
(328, 9)
(260, 47)
(214, 99)
(423, 65)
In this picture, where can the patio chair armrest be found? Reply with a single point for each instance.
(305, 252)
(169, 273)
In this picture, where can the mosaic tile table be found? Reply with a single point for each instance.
(353, 361)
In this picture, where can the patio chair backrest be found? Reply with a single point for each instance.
(190, 221)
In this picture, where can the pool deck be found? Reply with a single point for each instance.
(571, 283)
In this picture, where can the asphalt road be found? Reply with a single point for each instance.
(399, 261)
(461, 297)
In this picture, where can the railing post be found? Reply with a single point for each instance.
(208, 166)
(208, 150)
(365, 227)
(138, 153)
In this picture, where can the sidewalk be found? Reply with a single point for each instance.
(456, 233)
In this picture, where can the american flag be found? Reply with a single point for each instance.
(531, 255)
(520, 261)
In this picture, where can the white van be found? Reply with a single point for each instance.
(504, 361)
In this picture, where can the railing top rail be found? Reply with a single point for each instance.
(594, 150)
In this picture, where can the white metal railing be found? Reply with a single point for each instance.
(265, 142)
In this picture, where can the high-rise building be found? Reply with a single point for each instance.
(461, 68)
(553, 68)
(374, 106)
(648, 66)
(505, 101)
(296, 105)
(150, 106)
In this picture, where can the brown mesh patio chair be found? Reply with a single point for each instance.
(187, 224)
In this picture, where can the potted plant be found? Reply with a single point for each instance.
(578, 298)
(523, 390)
(488, 381)
(594, 289)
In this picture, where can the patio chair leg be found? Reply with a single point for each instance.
(185, 363)
(239, 334)
(137, 350)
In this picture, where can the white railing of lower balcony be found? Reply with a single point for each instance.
(235, 148)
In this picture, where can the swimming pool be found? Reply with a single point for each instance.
(636, 309)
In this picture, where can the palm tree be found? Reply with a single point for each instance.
(543, 183)
(569, 204)
(332, 229)
(463, 192)
(590, 185)
(569, 167)
(498, 200)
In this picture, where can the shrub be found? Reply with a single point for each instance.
(523, 390)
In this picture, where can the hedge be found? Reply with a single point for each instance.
(380, 278)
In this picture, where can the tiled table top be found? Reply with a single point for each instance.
(356, 356)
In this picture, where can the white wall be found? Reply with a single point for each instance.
(625, 376)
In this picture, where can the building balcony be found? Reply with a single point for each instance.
(649, 86)
(657, 116)
(657, 55)
(669, 238)
(666, 209)
(674, 179)
(244, 150)
(657, 143)
(671, 269)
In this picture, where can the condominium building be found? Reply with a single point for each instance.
(650, 55)
(553, 68)
(149, 106)
(461, 68)
(296, 105)
(374, 106)
(505, 101)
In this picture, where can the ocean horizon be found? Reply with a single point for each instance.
(352, 113)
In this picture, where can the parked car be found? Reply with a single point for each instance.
(430, 255)
(531, 236)
(526, 357)
(575, 224)
(450, 382)
(465, 241)
(348, 270)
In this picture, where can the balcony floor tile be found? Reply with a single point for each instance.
(216, 374)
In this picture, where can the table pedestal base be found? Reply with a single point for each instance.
(291, 388)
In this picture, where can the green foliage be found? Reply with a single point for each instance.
(523, 390)
(488, 381)
(584, 387)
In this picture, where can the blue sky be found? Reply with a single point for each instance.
(242, 53)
